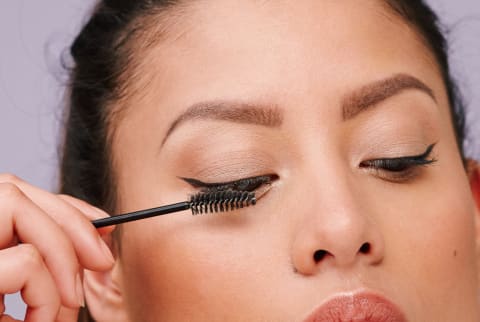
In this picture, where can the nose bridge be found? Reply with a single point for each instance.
(335, 225)
(338, 208)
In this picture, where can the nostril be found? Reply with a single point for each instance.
(319, 255)
(365, 249)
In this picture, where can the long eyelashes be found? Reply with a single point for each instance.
(221, 201)
(247, 184)
(400, 169)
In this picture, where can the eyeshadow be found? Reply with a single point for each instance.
(246, 184)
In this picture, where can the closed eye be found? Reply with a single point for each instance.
(247, 184)
(400, 169)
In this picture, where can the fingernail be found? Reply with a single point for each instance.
(79, 289)
(106, 251)
(100, 212)
(90, 210)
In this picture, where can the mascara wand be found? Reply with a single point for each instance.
(205, 202)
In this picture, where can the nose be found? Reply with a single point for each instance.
(336, 230)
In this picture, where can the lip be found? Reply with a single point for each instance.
(360, 307)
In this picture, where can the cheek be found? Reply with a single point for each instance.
(432, 242)
(442, 242)
(201, 265)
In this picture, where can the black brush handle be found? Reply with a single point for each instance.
(141, 214)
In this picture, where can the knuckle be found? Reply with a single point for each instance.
(30, 256)
(9, 190)
(8, 177)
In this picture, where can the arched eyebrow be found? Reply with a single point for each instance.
(353, 104)
(232, 111)
(372, 94)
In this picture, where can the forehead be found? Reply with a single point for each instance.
(281, 50)
(301, 55)
(210, 23)
(224, 37)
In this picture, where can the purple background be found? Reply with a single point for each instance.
(34, 34)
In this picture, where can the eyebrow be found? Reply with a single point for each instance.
(353, 104)
(372, 94)
(232, 111)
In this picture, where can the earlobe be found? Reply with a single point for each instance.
(104, 296)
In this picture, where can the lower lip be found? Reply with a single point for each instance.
(361, 307)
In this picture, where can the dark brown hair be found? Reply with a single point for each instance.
(105, 55)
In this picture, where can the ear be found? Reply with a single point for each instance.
(104, 295)
(473, 169)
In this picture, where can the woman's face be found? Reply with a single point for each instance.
(340, 102)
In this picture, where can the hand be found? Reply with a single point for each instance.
(45, 242)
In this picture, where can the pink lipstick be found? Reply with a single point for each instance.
(360, 307)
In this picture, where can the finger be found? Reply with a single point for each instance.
(22, 218)
(32, 278)
(67, 315)
(91, 250)
(28, 189)
(6, 318)
(105, 232)
(2, 304)
(84, 208)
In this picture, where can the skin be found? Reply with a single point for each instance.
(257, 264)
(57, 242)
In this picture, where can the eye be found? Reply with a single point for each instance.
(247, 184)
(400, 169)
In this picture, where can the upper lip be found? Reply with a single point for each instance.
(359, 307)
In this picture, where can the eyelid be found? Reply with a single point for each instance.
(419, 157)
(240, 184)
(223, 162)
(400, 169)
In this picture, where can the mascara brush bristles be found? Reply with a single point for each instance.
(221, 201)
(204, 202)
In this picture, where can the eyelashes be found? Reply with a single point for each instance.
(248, 184)
(400, 169)
(397, 170)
